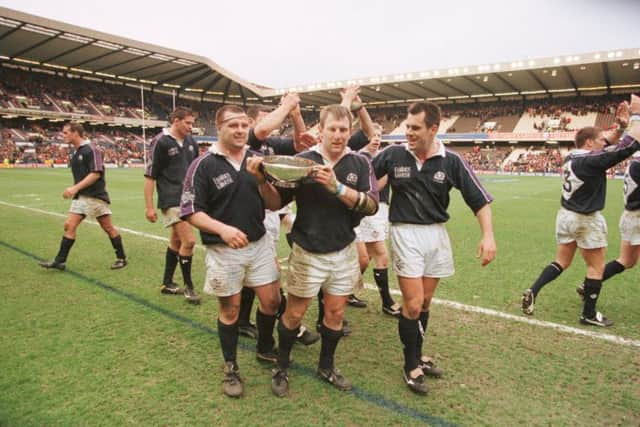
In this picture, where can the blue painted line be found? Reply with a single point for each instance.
(361, 394)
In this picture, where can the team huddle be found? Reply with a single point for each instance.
(355, 197)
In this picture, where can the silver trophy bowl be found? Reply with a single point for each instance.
(287, 171)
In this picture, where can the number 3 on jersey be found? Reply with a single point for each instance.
(571, 183)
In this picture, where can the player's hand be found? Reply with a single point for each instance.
(324, 175)
(69, 192)
(634, 128)
(234, 238)
(349, 95)
(254, 167)
(290, 100)
(305, 141)
(151, 214)
(296, 110)
(486, 250)
(622, 115)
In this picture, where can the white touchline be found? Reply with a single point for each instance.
(451, 304)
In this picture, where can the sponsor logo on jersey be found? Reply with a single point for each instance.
(222, 181)
(402, 172)
(439, 177)
(173, 151)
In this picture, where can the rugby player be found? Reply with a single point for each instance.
(225, 196)
(579, 223)
(172, 151)
(421, 174)
(89, 197)
(323, 253)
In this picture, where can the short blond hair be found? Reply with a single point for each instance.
(337, 111)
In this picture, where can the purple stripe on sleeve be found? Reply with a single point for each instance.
(98, 165)
(187, 201)
(151, 148)
(373, 183)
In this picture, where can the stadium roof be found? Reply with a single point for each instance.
(35, 41)
(594, 72)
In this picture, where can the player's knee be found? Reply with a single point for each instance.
(413, 309)
(229, 313)
(69, 226)
(271, 305)
(174, 244)
(294, 317)
(363, 260)
(334, 315)
(383, 260)
(188, 244)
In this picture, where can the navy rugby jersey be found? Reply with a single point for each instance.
(271, 145)
(88, 159)
(420, 194)
(168, 165)
(584, 186)
(384, 193)
(214, 186)
(323, 222)
(632, 185)
(284, 145)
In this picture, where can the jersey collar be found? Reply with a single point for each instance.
(316, 148)
(580, 151)
(442, 152)
(215, 149)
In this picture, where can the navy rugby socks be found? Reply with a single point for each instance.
(550, 273)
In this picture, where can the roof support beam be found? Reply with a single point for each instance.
(443, 83)
(118, 64)
(477, 84)
(571, 78)
(512, 87)
(104, 55)
(40, 43)
(68, 51)
(423, 87)
(537, 79)
(8, 33)
(181, 73)
(198, 77)
(607, 76)
(225, 92)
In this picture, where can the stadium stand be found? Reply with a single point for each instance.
(38, 140)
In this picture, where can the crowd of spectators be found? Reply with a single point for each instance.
(51, 92)
(44, 144)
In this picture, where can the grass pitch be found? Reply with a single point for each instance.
(92, 346)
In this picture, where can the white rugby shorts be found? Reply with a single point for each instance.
(170, 216)
(630, 227)
(374, 228)
(89, 206)
(272, 225)
(336, 273)
(228, 269)
(589, 231)
(419, 250)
